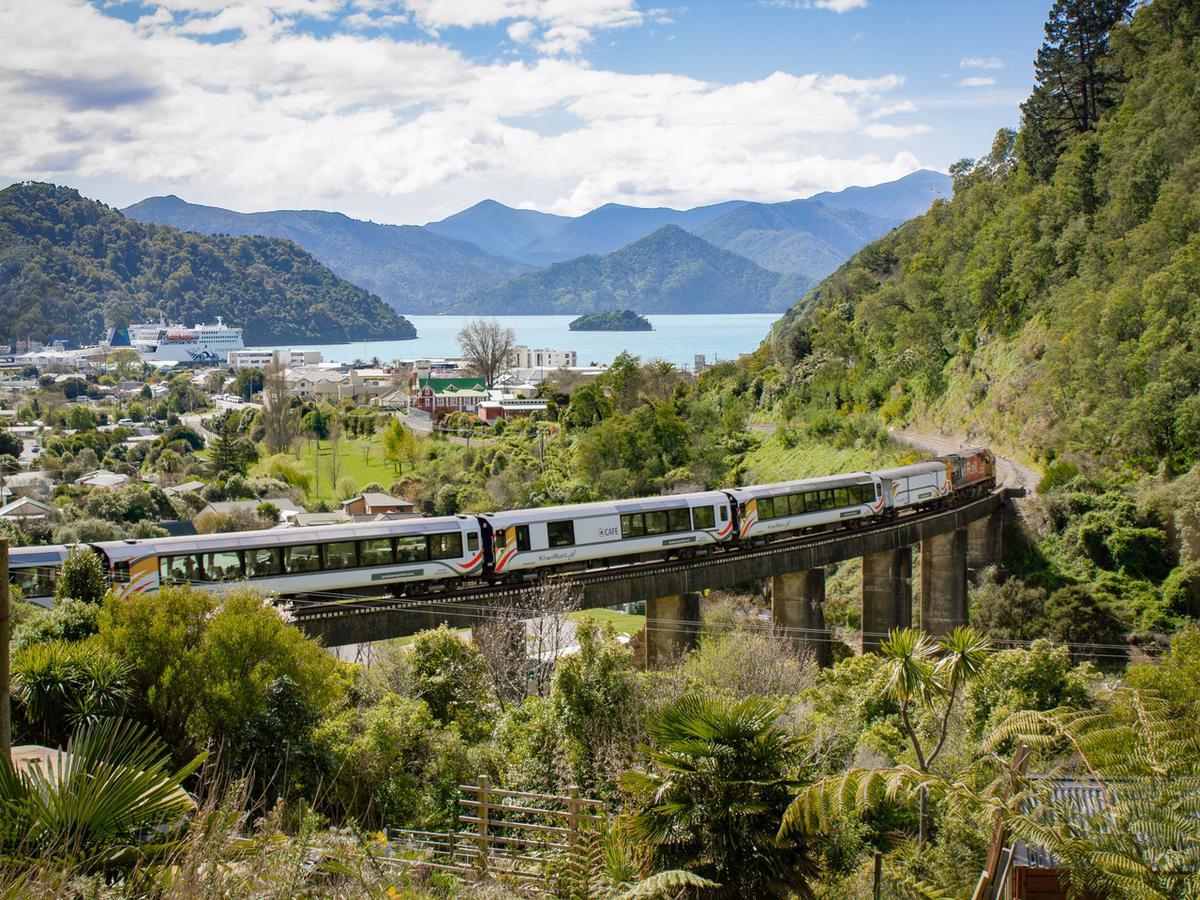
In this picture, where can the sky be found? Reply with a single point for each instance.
(406, 111)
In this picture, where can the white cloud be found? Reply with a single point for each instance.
(894, 132)
(892, 109)
(837, 6)
(977, 81)
(276, 117)
(521, 31)
(981, 62)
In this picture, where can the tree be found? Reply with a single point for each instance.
(485, 345)
(246, 382)
(278, 417)
(125, 363)
(10, 444)
(399, 444)
(1075, 78)
(451, 677)
(81, 418)
(229, 454)
(59, 686)
(82, 577)
(721, 774)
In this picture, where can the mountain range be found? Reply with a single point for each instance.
(479, 260)
(70, 266)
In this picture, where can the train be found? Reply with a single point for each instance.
(442, 553)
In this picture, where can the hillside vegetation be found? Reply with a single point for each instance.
(69, 266)
(1053, 304)
(413, 269)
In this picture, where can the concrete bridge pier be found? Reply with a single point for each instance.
(798, 609)
(985, 542)
(886, 595)
(944, 582)
(672, 628)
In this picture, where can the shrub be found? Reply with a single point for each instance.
(59, 686)
(68, 620)
(1040, 678)
(1056, 475)
(82, 577)
(1090, 625)
(1181, 590)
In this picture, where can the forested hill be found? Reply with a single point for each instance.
(1054, 303)
(412, 268)
(68, 265)
(669, 271)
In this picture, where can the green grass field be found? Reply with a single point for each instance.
(359, 459)
(622, 623)
(772, 460)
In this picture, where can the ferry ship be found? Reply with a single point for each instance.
(204, 344)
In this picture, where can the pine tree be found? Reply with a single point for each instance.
(1075, 76)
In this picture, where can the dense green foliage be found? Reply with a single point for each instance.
(70, 266)
(412, 268)
(611, 320)
(668, 271)
(1041, 310)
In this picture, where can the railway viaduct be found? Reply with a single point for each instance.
(948, 543)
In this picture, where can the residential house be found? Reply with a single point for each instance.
(187, 487)
(335, 385)
(370, 504)
(287, 509)
(102, 478)
(442, 396)
(26, 509)
(492, 411)
(35, 483)
(309, 520)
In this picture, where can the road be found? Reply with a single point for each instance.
(1010, 473)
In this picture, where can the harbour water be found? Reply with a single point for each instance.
(675, 338)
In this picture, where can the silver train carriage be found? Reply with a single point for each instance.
(919, 484)
(575, 536)
(320, 560)
(35, 571)
(766, 510)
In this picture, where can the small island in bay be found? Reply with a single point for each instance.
(611, 320)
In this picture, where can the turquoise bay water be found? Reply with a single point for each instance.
(674, 338)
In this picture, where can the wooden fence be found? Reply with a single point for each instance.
(533, 839)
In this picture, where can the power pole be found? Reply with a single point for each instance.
(5, 710)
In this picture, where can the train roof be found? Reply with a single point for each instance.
(280, 537)
(25, 557)
(807, 484)
(605, 507)
(920, 468)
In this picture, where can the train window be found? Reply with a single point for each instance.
(633, 525)
(179, 569)
(679, 520)
(656, 522)
(812, 501)
(523, 538)
(724, 514)
(120, 572)
(224, 565)
(340, 555)
(499, 539)
(375, 553)
(472, 542)
(841, 497)
(263, 562)
(301, 558)
(796, 504)
(703, 517)
(561, 534)
(411, 549)
(827, 500)
(446, 546)
(766, 508)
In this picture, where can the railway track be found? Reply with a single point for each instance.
(352, 605)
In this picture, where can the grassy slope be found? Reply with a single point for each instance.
(773, 460)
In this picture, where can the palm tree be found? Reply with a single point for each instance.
(921, 676)
(721, 774)
(97, 803)
(60, 685)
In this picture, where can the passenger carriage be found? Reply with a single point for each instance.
(812, 504)
(35, 571)
(920, 484)
(294, 561)
(576, 536)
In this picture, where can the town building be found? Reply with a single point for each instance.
(26, 509)
(102, 478)
(522, 357)
(334, 385)
(492, 411)
(442, 396)
(371, 504)
(265, 359)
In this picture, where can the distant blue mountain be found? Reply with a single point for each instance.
(898, 200)
(411, 268)
(499, 229)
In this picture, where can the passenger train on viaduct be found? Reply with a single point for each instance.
(423, 555)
